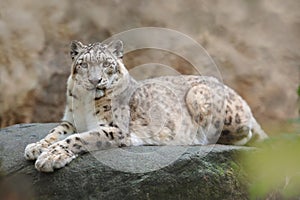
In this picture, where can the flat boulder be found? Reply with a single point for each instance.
(144, 172)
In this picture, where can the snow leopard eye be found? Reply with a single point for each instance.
(110, 70)
(84, 65)
(106, 63)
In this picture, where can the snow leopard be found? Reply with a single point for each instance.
(107, 108)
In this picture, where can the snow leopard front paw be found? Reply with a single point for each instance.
(32, 151)
(57, 156)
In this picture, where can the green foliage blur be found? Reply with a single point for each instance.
(274, 167)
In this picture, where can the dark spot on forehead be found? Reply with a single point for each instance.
(93, 45)
(96, 47)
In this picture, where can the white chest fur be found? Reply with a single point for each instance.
(83, 110)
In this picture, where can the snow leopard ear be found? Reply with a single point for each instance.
(75, 48)
(116, 47)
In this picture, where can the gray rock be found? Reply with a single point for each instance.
(209, 172)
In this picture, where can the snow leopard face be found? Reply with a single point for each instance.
(97, 66)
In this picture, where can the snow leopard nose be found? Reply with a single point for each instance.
(95, 81)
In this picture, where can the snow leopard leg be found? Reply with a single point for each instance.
(64, 129)
(63, 152)
(206, 107)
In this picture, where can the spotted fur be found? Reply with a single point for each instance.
(107, 108)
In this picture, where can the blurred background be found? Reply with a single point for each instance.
(256, 45)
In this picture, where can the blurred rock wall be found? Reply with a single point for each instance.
(256, 45)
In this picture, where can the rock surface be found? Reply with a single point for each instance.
(194, 175)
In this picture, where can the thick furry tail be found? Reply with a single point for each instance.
(258, 133)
